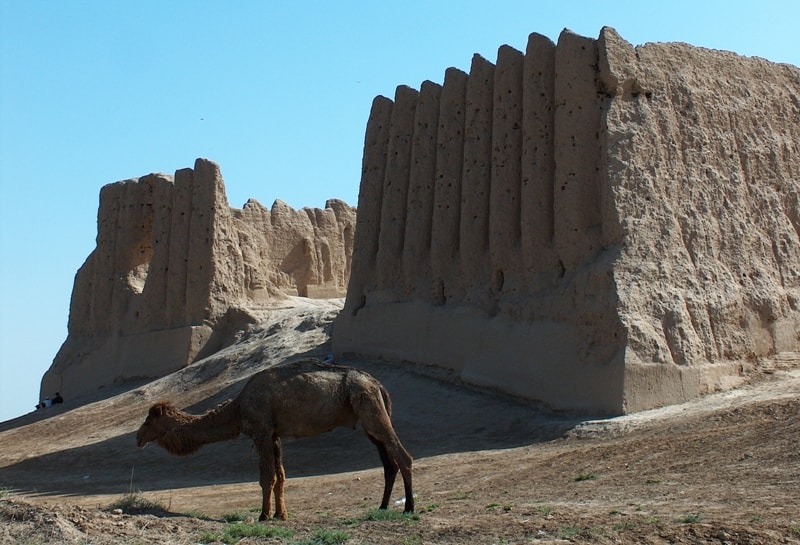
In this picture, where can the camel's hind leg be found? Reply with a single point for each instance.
(280, 482)
(389, 472)
(378, 426)
(403, 460)
(267, 478)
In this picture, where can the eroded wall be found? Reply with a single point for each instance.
(176, 270)
(510, 227)
(702, 155)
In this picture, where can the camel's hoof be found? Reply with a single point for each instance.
(262, 517)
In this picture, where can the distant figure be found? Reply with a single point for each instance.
(58, 398)
(48, 402)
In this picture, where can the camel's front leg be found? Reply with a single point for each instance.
(267, 478)
(280, 504)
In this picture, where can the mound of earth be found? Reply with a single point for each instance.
(488, 469)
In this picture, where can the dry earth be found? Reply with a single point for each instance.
(489, 469)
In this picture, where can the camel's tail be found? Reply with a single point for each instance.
(387, 400)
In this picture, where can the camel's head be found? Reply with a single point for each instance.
(160, 420)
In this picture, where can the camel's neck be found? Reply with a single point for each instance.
(193, 432)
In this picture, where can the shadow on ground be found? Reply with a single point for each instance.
(433, 415)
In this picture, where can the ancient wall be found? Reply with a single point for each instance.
(593, 225)
(176, 269)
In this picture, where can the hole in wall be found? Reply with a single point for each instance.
(498, 279)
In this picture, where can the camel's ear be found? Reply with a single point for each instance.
(156, 410)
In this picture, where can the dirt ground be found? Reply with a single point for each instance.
(488, 469)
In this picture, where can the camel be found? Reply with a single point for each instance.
(299, 399)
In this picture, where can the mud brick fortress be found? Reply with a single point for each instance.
(590, 224)
(596, 226)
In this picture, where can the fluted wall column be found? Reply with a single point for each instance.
(476, 178)
(179, 238)
(105, 254)
(370, 197)
(577, 184)
(445, 241)
(538, 161)
(504, 196)
(155, 290)
(419, 217)
(199, 274)
(395, 189)
(123, 248)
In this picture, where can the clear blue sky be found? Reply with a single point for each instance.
(277, 93)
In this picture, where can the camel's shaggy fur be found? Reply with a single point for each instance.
(299, 399)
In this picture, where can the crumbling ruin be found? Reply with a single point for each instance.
(589, 224)
(176, 270)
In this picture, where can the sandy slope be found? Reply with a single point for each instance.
(489, 469)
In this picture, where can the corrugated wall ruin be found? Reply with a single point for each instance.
(176, 270)
(589, 224)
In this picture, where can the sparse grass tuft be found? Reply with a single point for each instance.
(197, 515)
(135, 502)
(5, 492)
(691, 518)
(627, 525)
(209, 537)
(388, 514)
(238, 516)
(570, 532)
(585, 477)
(236, 532)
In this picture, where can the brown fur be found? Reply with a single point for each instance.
(300, 399)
